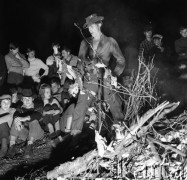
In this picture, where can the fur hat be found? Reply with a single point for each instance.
(93, 18)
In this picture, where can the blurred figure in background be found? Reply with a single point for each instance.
(147, 45)
(181, 50)
(158, 51)
(181, 44)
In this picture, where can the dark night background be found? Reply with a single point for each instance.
(38, 23)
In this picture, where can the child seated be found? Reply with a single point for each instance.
(26, 125)
(56, 89)
(51, 111)
(16, 97)
(6, 118)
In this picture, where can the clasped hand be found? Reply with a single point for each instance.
(53, 112)
(18, 123)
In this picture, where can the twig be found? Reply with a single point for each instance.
(167, 147)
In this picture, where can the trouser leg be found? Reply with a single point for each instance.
(35, 130)
(113, 99)
(84, 100)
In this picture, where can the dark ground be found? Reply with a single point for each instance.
(46, 158)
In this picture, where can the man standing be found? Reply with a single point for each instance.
(181, 44)
(181, 50)
(16, 64)
(146, 46)
(97, 48)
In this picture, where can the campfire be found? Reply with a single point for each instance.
(146, 145)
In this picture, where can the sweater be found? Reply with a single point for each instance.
(7, 116)
(35, 66)
(15, 64)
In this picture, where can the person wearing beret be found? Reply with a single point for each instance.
(6, 119)
(26, 125)
(97, 49)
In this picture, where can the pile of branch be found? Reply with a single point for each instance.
(140, 90)
(139, 144)
(136, 145)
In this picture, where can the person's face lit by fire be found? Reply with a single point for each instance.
(31, 54)
(47, 93)
(95, 30)
(55, 49)
(65, 54)
(183, 33)
(5, 104)
(157, 42)
(15, 51)
(55, 88)
(148, 34)
(27, 101)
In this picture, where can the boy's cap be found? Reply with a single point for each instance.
(27, 93)
(5, 96)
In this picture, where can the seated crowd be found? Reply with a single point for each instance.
(36, 101)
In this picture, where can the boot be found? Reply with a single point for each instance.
(58, 132)
(28, 151)
(54, 142)
(12, 151)
(4, 147)
(53, 135)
